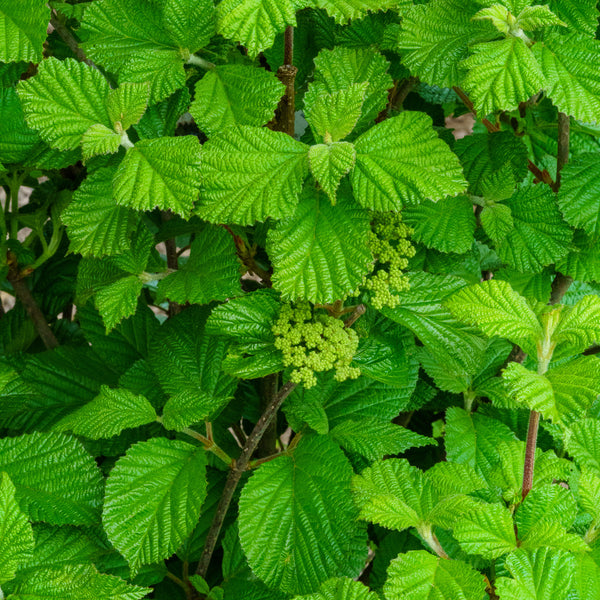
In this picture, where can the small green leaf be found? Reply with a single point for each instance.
(17, 140)
(118, 300)
(341, 588)
(190, 23)
(345, 10)
(532, 390)
(536, 17)
(23, 25)
(187, 407)
(329, 163)
(579, 326)
(584, 444)
(99, 139)
(127, 104)
(497, 221)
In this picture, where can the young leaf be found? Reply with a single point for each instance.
(497, 221)
(153, 499)
(108, 414)
(188, 407)
(536, 17)
(341, 588)
(23, 25)
(64, 100)
(190, 23)
(250, 174)
(127, 104)
(311, 256)
(345, 10)
(99, 139)
(413, 575)
(548, 503)
(497, 310)
(329, 163)
(16, 534)
(277, 509)
(579, 326)
(118, 300)
(402, 161)
(533, 390)
(68, 493)
(580, 16)
(584, 444)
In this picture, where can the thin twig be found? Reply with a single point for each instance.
(172, 261)
(562, 157)
(285, 119)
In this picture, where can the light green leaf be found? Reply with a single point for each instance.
(112, 411)
(250, 174)
(118, 300)
(68, 493)
(23, 25)
(64, 100)
(127, 104)
(435, 38)
(587, 577)
(277, 509)
(447, 225)
(582, 262)
(75, 582)
(568, 64)
(536, 17)
(321, 252)
(497, 310)
(542, 574)
(581, 16)
(345, 10)
(584, 444)
(212, 271)
(333, 116)
(402, 161)
(418, 574)
(99, 139)
(160, 173)
(488, 531)
(96, 225)
(497, 14)
(153, 498)
(579, 326)
(341, 588)
(497, 221)
(235, 95)
(329, 163)
(17, 140)
(502, 74)
(550, 503)
(188, 407)
(553, 535)
(589, 493)
(255, 23)
(190, 24)
(338, 69)
(16, 534)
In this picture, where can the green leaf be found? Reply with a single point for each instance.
(345, 10)
(17, 140)
(540, 236)
(497, 221)
(161, 119)
(502, 74)
(190, 24)
(418, 574)
(579, 326)
(567, 63)
(250, 174)
(582, 262)
(488, 531)
(75, 582)
(333, 116)
(277, 509)
(211, 272)
(23, 25)
(497, 310)
(153, 499)
(127, 104)
(338, 69)
(579, 15)
(235, 95)
(329, 163)
(543, 574)
(96, 225)
(341, 588)
(536, 17)
(255, 23)
(402, 161)
(548, 503)
(118, 300)
(160, 173)
(186, 408)
(374, 439)
(68, 493)
(435, 38)
(447, 225)
(584, 444)
(108, 414)
(64, 100)
(589, 493)
(321, 253)
(16, 534)
(99, 139)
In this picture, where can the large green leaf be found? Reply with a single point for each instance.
(153, 499)
(580, 15)
(235, 95)
(418, 575)
(402, 161)
(163, 173)
(250, 174)
(321, 252)
(68, 493)
(16, 534)
(64, 100)
(294, 504)
(341, 588)
(23, 25)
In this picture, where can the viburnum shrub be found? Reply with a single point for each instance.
(214, 211)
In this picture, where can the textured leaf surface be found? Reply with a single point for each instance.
(108, 414)
(235, 95)
(584, 444)
(501, 74)
(341, 589)
(497, 221)
(277, 509)
(186, 408)
(329, 163)
(190, 23)
(23, 28)
(579, 15)
(69, 493)
(161, 173)
(17, 140)
(447, 225)
(99, 139)
(321, 253)
(402, 161)
(153, 499)
(250, 174)
(16, 534)
(127, 104)
(118, 300)
(417, 575)
(344, 10)
(579, 326)
(64, 100)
